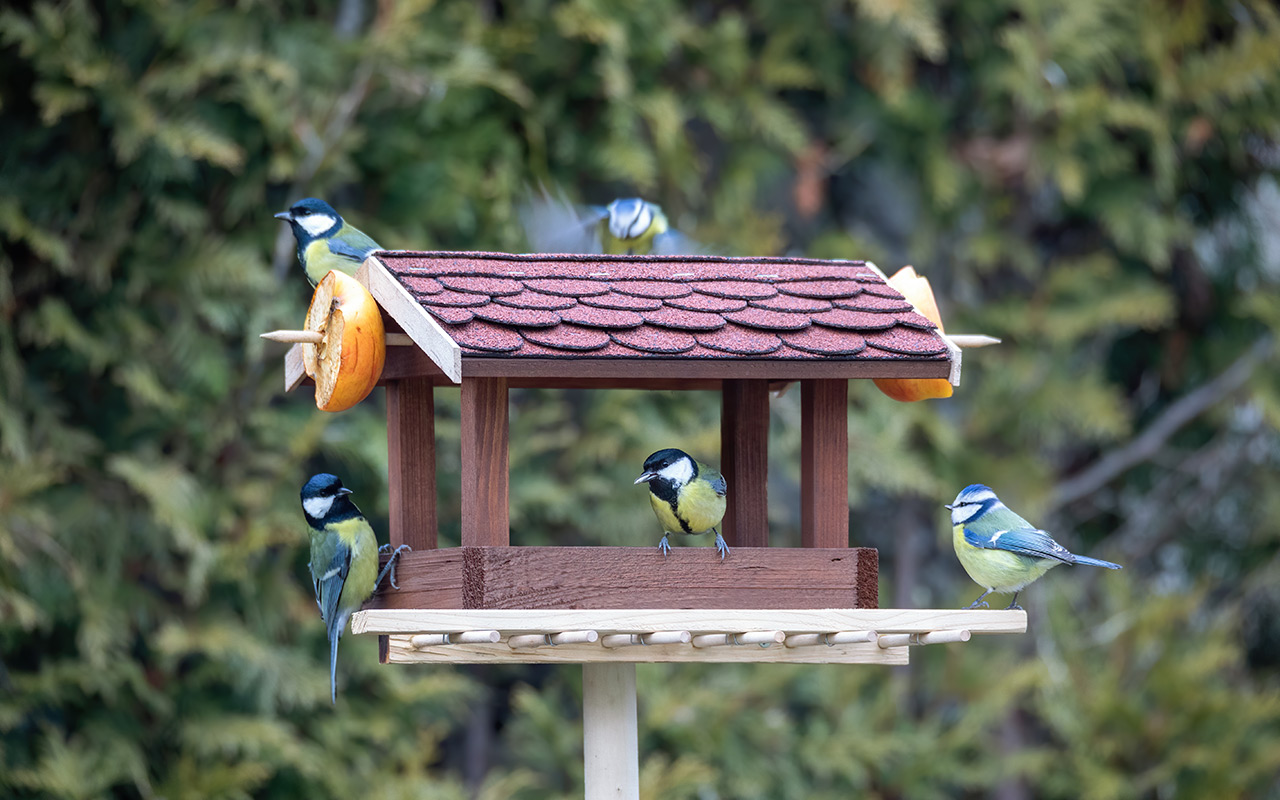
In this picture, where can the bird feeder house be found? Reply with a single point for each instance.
(491, 322)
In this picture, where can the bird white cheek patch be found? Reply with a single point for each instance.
(680, 472)
(316, 224)
(963, 513)
(317, 507)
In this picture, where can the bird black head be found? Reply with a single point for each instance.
(311, 218)
(324, 499)
(669, 466)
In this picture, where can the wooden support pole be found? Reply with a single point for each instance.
(824, 463)
(744, 461)
(411, 463)
(610, 744)
(485, 473)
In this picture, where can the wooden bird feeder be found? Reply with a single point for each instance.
(490, 322)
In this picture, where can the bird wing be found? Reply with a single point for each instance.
(716, 480)
(554, 225)
(1028, 541)
(352, 244)
(329, 584)
(675, 243)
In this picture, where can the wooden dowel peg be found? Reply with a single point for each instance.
(574, 637)
(527, 641)
(614, 640)
(971, 340)
(762, 638)
(294, 337)
(830, 639)
(888, 640)
(466, 637)
(666, 637)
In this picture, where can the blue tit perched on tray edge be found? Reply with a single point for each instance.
(626, 226)
(687, 496)
(325, 241)
(344, 559)
(1000, 550)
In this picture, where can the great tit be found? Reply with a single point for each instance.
(344, 559)
(687, 496)
(1000, 550)
(325, 242)
(627, 226)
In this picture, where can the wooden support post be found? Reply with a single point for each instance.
(824, 463)
(411, 462)
(744, 461)
(610, 745)
(485, 473)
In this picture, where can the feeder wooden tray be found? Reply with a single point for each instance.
(789, 636)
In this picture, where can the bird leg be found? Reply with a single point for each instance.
(390, 569)
(721, 547)
(981, 601)
(664, 546)
(1013, 604)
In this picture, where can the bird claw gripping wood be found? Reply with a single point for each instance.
(389, 571)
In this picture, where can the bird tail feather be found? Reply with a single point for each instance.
(1096, 562)
(334, 635)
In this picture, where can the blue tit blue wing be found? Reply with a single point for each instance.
(675, 243)
(554, 225)
(352, 244)
(329, 585)
(1030, 542)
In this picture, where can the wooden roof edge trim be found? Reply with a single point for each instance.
(294, 372)
(425, 332)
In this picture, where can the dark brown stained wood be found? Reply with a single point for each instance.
(427, 578)
(744, 461)
(485, 428)
(824, 463)
(635, 577)
(632, 368)
(411, 462)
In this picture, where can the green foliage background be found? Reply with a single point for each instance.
(1094, 182)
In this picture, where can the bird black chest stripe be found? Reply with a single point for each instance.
(666, 492)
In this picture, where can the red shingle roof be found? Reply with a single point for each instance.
(563, 306)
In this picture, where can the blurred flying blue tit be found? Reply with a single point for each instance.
(687, 496)
(325, 241)
(627, 226)
(1000, 550)
(344, 559)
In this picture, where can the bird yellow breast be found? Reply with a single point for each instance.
(357, 535)
(321, 260)
(998, 570)
(699, 506)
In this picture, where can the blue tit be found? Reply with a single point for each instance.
(344, 559)
(687, 496)
(627, 226)
(1000, 550)
(325, 242)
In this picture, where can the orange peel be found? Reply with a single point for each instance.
(915, 287)
(347, 362)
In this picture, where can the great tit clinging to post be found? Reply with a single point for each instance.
(687, 496)
(626, 226)
(344, 559)
(1000, 550)
(325, 241)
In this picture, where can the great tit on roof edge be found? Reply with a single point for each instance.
(344, 559)
(325, 241)
(687, 496)
(1000, 550)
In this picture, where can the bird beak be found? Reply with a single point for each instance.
(648, 476)
(947, 506)
(284, 215)
(344, 490)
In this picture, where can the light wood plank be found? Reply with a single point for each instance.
(294, 372)
(411, 463)
(608, 621)
(610, 743)
(421, 327)
(485, 474)
(400, 651)
(824, 463)
(744, 461)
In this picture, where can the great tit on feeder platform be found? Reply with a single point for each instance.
(627, 226)
(1000, 550)
(687, 496)
(325, 241)
(344, 559)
